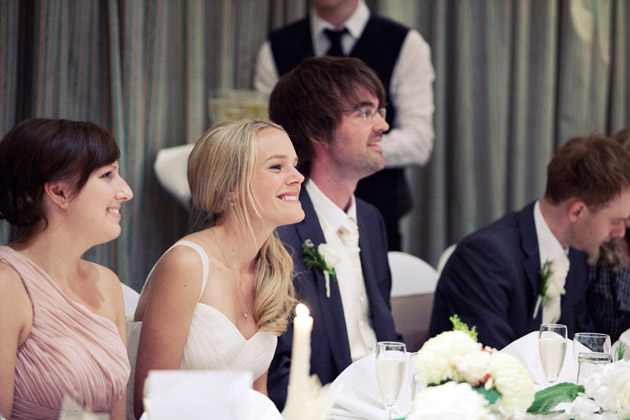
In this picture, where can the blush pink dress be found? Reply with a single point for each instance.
(70, 351)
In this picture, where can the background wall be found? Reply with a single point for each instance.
(514, 80)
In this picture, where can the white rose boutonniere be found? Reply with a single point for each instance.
(553, 275)
(323, 257)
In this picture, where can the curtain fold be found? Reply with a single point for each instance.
(514, 80)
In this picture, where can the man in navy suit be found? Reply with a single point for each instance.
(494, 278)
(332, 109)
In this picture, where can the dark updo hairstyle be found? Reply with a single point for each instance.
(40, 150)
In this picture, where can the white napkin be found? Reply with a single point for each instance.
(525, 349)
(171, 165)
(358, 396)
(198, 394)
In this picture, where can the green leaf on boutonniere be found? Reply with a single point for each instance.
(313, 258)
(545, 273)
(547, 399)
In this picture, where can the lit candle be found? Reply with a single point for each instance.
(300, 361)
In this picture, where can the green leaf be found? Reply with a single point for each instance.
(546, 399)
(458, 325)
(621, 350)
(491, 395)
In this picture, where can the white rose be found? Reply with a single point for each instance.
(583, 408)
(474, 366)
(451, 401)
(559, 267)
(512, 380)
(622, 400)
(609, 386)
(437, 358)
(329, 254)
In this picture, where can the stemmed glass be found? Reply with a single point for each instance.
(584, 342)
(391, 360)
(414, 380)
(590, 349)
(552, 344)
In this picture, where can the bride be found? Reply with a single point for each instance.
(219, 297)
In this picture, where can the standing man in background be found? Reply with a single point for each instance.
(400, 58)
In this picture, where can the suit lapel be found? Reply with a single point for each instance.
(529, 243)
(332, 308)
(369, 276)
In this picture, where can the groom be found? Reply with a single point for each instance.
(332, 109)
(495, 279)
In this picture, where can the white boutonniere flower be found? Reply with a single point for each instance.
(553, 275)
(323, 257)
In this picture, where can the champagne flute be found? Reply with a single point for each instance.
(391, 360)
(552, 345)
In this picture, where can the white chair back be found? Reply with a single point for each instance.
(171, 165)
(410, 274)
(413, 285)
(446, 254)
(130, 297)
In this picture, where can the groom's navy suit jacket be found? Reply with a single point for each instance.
(492, 281)
(330, 350)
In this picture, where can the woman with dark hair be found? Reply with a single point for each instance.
(62, 322)
(609, 285)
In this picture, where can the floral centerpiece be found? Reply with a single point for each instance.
(468, 381)
(604, 396)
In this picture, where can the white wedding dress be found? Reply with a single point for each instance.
(213, 343)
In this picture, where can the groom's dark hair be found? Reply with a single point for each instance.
(594, 169)
(308, 101)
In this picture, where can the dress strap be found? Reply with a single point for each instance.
(205, 261)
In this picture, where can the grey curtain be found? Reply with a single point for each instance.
(514, 79)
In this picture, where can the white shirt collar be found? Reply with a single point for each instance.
(325, 208)
(548, 245)
(355, 25)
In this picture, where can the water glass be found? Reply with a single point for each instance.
(584, 342)
(587, 363)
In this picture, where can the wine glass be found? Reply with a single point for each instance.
(391, 360)
(414, 380)
(552, 344)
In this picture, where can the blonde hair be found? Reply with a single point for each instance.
(220, 174)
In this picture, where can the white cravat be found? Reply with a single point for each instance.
(349, 235)
(361, 336)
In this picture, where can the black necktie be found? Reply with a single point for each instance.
(335, 42)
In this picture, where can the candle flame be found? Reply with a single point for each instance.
(301, 310)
